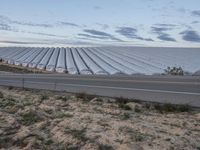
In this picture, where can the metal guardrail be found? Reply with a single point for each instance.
(143, 94)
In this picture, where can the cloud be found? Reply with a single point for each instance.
(145, 39)
(92, 36)
(45, 34)
(10, 21)
(182, 10)
(97, 7)
(81, 43)
(190, 35)
(5, 24)
(127, 32)
(69, 24)
(161, 32)
(7, 20)
(103, 26)
(160, 29)
(48, 42)
(5, 27)
(196, 13)
(131, 33)
(165, 25)
(195, 22)
(4, 18)
(32, 24)
(98, 35)
(166, 37)
(21, 42)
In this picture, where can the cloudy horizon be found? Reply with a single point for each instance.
(159, 23)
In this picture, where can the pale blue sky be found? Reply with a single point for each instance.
(100, 22)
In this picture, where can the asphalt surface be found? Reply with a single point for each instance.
(164, 89)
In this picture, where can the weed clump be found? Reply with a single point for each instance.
(85, 97)
(125, 116)
(171, 108)
(5, 102)
(30, 118)
(105, 147)
(137, 109)
(10, 88)
(77, 134)
(1, 95)
(134, 134)
(63, 98)
(122, 103)
(44, 97)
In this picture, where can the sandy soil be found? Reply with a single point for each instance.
(31, 119)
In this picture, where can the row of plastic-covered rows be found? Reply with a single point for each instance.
(102, 61)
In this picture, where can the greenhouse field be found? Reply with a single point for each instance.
(103, 60)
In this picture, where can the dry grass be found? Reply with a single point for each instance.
(35, 119)
(18, 69)
(14, 69)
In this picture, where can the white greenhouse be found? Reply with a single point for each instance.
(103, 60)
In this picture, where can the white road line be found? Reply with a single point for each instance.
(115, 88)
(134, 89)
(122, 88)
(118, 80)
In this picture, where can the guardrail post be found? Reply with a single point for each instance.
(22, 83)
(54, 86)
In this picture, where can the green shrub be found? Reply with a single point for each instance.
(81, 95)
(137, 109)
(30, 118)
(78, 134)
(174, 71)
(44, 97)
(49, 142)
(127, 107)
(135, 135)
(63, 98)
(125, 116)
(105, 147)
(85, 97)
(121, 101)
(10, 87)
(1, 95)
(172, 108)
(7, 102)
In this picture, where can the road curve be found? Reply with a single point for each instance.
(164, 89)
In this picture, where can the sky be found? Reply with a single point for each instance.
(160, 23)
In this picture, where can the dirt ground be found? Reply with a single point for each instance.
(31, 119)
(5, 68)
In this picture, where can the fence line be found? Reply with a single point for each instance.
(143, 94)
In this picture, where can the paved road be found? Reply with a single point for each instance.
(178, 90)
